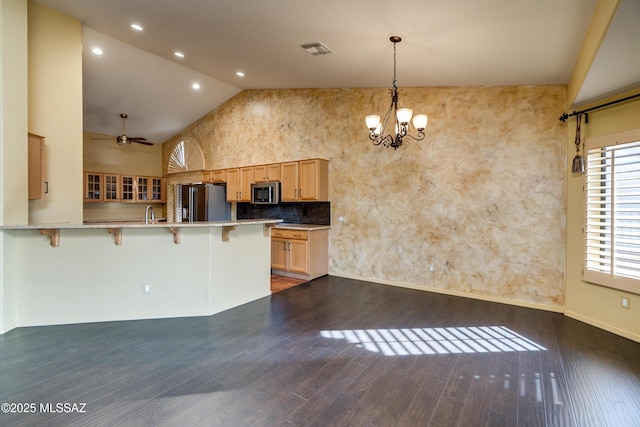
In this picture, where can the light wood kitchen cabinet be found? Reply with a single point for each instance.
(150, 189)
(142, 189)
(289, 182)
(305, 181)
(158, 190)
(246, 179)
(37, 182)
(111, 191)
(300, 253)
(111, 187)
(233, 185)
(218, 176)
(239, 182)
(279, 253)
(299, 259)
(128, 189)
(93, 187)
(266, 173)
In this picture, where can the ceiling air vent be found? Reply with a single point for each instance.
(316, 48)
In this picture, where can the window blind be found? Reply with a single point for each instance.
(612, 211)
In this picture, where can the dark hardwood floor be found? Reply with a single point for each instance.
(331, 352)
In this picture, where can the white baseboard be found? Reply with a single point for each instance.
(576, 316)
(453, 293)
(604, 326)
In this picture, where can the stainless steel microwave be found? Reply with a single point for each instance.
(265, 193)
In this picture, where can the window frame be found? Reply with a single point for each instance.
(623, 283)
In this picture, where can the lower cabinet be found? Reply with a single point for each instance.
(302, 254)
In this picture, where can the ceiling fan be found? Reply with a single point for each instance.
(124, 139)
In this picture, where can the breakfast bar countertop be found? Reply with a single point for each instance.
(115, 227)
(141, 224)
(303, 227)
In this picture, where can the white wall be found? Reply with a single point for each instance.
(200, 276)
(55, 111)
(13, 144)
(237, 266)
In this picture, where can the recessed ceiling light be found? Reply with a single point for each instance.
(97, 51)
(137, 27)
(196, 86)
(239, 74)
(179, 54)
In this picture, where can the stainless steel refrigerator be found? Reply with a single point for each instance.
(205, 202)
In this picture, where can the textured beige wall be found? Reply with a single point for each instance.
(481, 199)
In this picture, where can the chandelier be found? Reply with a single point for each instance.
(402, 117)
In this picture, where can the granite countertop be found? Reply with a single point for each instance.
(120, 220)
(141, 224)
(304, 227)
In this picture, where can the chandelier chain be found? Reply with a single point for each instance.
(395, 80)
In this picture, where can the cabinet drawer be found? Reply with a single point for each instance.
(290, 234)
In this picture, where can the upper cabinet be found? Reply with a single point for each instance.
(289, 182)
(109, 187)
(36, 167)
(239, 182)
(128, 189)
(218, 176)
(313, 180)
(305, 181)
(143, 188)
(301, 181)
(266, 173)
(93, 187)
(151, 189)
(158, 190)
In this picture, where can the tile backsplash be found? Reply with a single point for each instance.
(318, 213)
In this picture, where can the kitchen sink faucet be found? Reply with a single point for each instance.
(146, 214)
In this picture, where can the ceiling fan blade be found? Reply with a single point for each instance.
(104, 139)
(124, 139)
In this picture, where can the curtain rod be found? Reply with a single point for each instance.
(565, 116)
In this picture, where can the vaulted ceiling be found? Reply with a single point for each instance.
(452, 43)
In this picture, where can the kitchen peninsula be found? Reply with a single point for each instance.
(112, 271)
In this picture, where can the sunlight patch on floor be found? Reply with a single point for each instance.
(419, 341)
